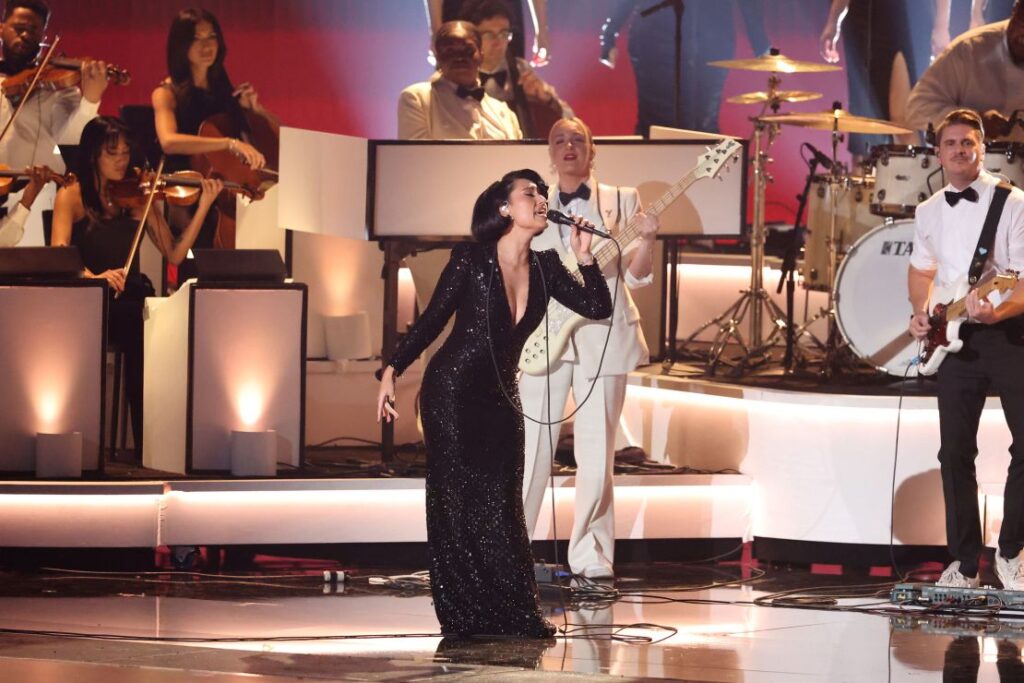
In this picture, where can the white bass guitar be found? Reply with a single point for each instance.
(562, 322)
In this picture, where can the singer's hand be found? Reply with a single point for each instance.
(580, 241)
(386, 396)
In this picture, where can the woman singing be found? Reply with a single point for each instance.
(481, 569)
(84, 215)
(198, 88)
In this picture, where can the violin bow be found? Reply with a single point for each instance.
(31, 86)
(155, 184)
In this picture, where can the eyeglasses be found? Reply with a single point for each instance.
(503, 36)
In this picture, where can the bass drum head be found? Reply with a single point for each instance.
(872, 308)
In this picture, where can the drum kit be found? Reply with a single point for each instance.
(860, 235)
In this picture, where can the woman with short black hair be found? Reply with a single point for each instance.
(481, 568)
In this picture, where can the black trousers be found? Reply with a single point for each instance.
(992, 357)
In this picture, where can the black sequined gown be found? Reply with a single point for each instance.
(481, 567)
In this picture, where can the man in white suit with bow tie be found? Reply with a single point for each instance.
(453, 104)
(610, 209)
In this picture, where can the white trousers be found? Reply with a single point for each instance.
(593, 532)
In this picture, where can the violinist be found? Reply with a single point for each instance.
(55, 116)
(198, 88)
(85, 215)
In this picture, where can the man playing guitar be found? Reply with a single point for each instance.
(946, 243)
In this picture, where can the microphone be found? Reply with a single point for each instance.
(562, 219)
(819, 156)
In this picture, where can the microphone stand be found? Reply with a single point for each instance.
(679, 7)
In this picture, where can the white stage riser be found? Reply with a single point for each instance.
(822, 464)
(347, 511)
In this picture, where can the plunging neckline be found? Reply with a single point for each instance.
(504, 294)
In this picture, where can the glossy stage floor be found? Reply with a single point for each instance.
(275, 620)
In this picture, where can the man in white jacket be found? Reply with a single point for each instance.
(453, 104)
(610, 209)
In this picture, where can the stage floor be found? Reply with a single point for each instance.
(689, 622)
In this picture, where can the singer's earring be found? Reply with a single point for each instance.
(504, 210)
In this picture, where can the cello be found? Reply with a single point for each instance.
(255, 130)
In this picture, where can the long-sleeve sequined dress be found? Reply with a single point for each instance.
(481, 569)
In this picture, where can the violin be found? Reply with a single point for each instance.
(58, 74)
(9, 177)
(180, 189)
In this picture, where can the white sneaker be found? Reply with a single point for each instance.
(952, 578)
(598, 571)
(1010, 572)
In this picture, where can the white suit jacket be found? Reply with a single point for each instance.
(609, 209)
(432, 111)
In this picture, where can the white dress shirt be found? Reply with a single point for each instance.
(945, 236)
(433, 111)
(12, 226)
(975, 71)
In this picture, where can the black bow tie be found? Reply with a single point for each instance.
(583, 192)
(970, 194)
(476, 93)
(500, 77)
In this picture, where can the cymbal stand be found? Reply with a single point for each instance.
(754, 302)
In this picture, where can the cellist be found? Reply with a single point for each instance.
(49, 117)
(198, 87)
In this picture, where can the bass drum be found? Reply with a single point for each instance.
(872, 310)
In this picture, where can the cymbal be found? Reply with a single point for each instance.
(775, 62)
(838, 119)
(777, 96)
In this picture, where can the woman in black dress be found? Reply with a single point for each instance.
(481, 569)
(84, 215)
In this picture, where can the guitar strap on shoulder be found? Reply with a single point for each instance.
(609, 226)
(988, 232)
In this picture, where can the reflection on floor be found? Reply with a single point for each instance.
(281, 622)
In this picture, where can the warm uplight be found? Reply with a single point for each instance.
(47, 411)
(250, 405)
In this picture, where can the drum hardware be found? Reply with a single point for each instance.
(754, 302)
(837, 122)
(790, 359)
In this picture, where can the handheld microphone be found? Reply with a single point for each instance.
(562, 219)
(819, 156)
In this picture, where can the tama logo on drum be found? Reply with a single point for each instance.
(897, 248)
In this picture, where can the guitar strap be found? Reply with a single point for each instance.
(988, 232)
(609, 225)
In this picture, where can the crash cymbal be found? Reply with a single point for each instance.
(777, 96)
(774, 61)
(837, 119)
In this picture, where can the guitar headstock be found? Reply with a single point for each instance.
(714, 159)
